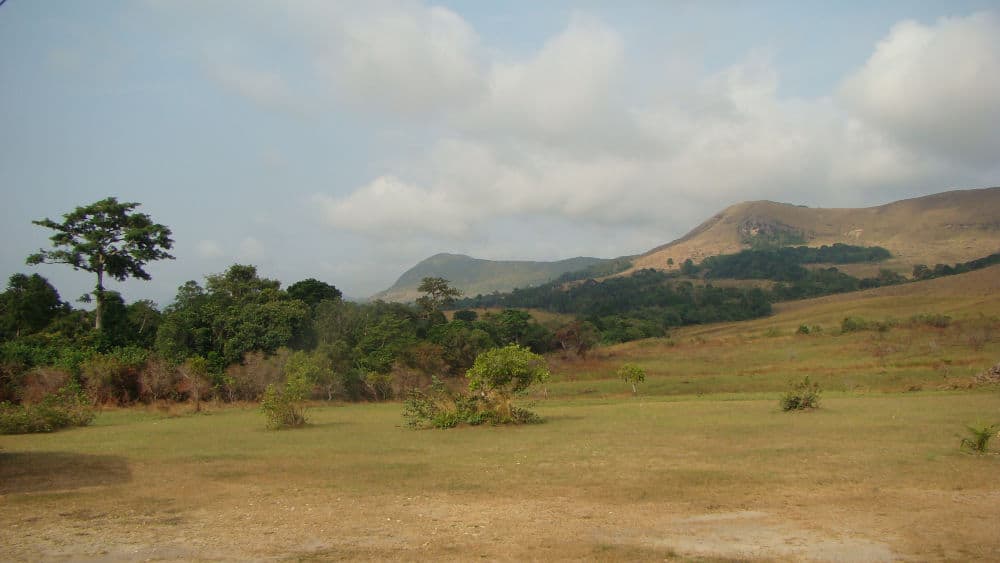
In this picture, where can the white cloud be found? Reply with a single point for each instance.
(935, 88)
(390, 208)
(558, 92)
(209, 249)
(403, 57)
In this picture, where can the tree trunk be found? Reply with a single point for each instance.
(99, 294)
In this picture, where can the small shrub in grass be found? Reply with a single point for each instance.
(284, 406)
(437, 407)
(495, 379)
(935, 320)
(633, 375)
(978, 440)
(803, 395)
(67, 407)
(853, 324)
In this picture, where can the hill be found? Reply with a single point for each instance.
(477, 276)
(948, 227)
(913, 350)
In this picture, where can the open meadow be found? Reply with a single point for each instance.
(702, 464)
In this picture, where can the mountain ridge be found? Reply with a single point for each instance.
(476, 275)
(946, 227)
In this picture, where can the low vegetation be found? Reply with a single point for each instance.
(66, 407)
(633, 375)
(803, 395)
(979, 436)
(496, 379)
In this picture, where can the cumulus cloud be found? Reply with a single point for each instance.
(389, 208)
(559, 92)
(403, 57)
(935, 87)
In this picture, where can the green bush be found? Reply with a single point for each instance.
(67, 407)
(284, 406)
(496, 377)
(935, 320)
(979, 438)
(854, 324)
(437, 407)
(803, 395)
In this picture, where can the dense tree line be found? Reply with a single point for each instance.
(923, 272)
(786, 264)
(230, 337)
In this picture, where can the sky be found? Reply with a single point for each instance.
(346, 141)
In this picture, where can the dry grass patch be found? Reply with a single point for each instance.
(874, 477)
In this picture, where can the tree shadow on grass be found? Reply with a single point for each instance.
(30, 472)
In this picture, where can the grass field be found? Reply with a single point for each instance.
(701, 466)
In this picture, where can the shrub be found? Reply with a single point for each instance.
(633, 375)
(979, 438)
(856, 324)
(248, 380)
(114, 377)
(803, 395)
(496, 377)
(284, 406)
(853, 324)
(67, 407)
(935, 320)
(501, 374)
(803, 329)
(440, 408)
(158, 380)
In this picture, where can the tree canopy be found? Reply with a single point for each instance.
(105, 238)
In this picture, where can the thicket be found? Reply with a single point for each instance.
(68, 406)
(495, 380)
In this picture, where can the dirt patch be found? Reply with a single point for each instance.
(24, 472)
(315, 526)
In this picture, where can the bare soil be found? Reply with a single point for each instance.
(247, 517)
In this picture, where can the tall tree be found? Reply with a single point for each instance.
(438, 294)
(105, 238)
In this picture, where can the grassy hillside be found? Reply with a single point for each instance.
(949, 227)
(763, 355)
(474, 276)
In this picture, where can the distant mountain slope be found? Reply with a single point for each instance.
(474, 276)
(948, 227)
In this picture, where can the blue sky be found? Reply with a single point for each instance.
(348, 140)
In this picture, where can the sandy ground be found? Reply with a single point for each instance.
(249, 520)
